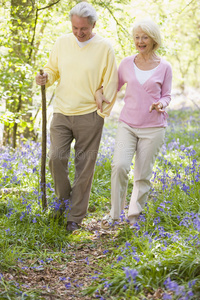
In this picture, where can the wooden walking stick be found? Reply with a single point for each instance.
(44, 142)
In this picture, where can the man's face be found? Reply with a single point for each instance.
(81, 28)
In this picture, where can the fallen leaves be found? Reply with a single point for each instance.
(60, 280)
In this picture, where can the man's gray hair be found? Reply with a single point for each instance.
(84, 10)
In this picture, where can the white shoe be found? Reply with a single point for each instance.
(134, 219)
(107, 222)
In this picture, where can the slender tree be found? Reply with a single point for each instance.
(18, 68)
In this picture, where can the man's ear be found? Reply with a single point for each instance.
(94, 24)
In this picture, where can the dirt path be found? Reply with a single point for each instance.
(66, 278)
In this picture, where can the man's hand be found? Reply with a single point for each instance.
(99, 98)
(41, 79)
(158, 106)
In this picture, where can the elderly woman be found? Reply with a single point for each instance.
(142, 121)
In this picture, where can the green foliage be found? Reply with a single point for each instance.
(160, 253)
(29, 29)
(165, 243)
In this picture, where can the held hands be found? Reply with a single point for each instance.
(158, 106)
(99, 98)
(41, 79)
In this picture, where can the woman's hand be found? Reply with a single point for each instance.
(99, 98)
(158, 106)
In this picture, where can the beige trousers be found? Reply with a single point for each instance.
(86, 130)
(145, 143)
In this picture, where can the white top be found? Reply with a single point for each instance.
(141, 75)
(139, 97)
(82, 44)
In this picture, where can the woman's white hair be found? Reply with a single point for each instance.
(151, 29)
(84, 10)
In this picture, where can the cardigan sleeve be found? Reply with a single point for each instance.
(166, 87)
(121, 81)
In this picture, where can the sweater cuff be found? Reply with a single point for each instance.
(163, 103)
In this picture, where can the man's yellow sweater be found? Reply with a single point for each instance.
(80, 72)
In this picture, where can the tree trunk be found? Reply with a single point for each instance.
(22, 20)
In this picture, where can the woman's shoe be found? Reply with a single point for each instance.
(134, 220)
(107, 222)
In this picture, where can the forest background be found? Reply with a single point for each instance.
(160, 257)
(29, 29)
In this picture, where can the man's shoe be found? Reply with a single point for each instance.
(71, 226)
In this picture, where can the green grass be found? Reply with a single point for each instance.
(161, 254)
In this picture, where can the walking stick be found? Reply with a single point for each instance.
(44, 142)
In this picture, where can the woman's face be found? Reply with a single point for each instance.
(143, 42)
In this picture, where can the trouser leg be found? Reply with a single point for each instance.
(125, 146)
(149, 143)
(61, 137)
(87, 130)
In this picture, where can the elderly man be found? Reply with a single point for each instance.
(81, 62)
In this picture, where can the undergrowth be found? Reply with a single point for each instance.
(157, 259)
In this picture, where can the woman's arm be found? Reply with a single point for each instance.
(165, 92)
(99, 98)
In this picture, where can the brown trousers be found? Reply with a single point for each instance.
(86, 130)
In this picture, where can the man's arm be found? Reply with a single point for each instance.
(51, 68)
(110, 85)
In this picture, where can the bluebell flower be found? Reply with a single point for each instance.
(185, 222)
(136, 258)
(119, 258)
(127, 245)
(173, 286)
(62, 278)
(87, 260)
(157, 220)
(190, 293)
(22, 216)
(107, 285)
(196, 223)
(130, 274)
(191, 283)
(68, 285)
(124, 287)
(41, 261)
(34, 170)
(105, 251)
(94, 277)
(185, 188)
(134, 249)
(167, 296)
